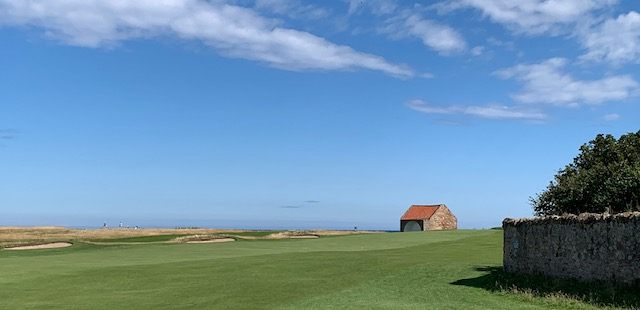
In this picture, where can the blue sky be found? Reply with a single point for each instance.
(301, 114)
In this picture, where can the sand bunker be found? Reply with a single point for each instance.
(212, 240)
(54, 245)
(291, 235)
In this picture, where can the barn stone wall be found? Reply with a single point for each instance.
(442, 219)
(585, 247)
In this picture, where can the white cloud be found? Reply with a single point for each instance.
(531, 16)
(441, 38)
(615, 40)
(232, 30)
(546, 82)
(477, 50)
(489, 111)
(611, 117)
(400, 22)
(427, 75)
(507, 45)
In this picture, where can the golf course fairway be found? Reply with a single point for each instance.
(423, 270)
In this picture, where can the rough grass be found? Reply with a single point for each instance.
(154, 238)
(17, 235)
(14, 236)
(434, 270)
(255, 233)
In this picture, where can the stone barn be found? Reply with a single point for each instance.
(428, 217)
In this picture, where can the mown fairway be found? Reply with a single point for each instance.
(372, 271)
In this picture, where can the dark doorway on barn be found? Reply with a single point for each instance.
(412, 226)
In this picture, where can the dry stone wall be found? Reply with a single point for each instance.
(586, 247)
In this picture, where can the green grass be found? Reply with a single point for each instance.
(434, 270)
(155, 238)
(596, 293)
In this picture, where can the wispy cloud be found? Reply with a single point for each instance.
(477, 50)
(305, 203)
(8, 134)
(544, 83)
(377, 7)
(488, 111)
(612, 40)
(531, 16)
(547, 83)
(292, 9)
(441, 38)
(400, 22)
(616, 40)
(234, 31)
(611, 117)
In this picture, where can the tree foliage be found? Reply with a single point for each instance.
(603, 178)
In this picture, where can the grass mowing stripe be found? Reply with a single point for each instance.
(271, 279)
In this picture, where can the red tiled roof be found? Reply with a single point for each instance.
(420, 212)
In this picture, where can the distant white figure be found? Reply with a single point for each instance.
(121, 224)
(104, 225)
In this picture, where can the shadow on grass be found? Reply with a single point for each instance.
(496, 279)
